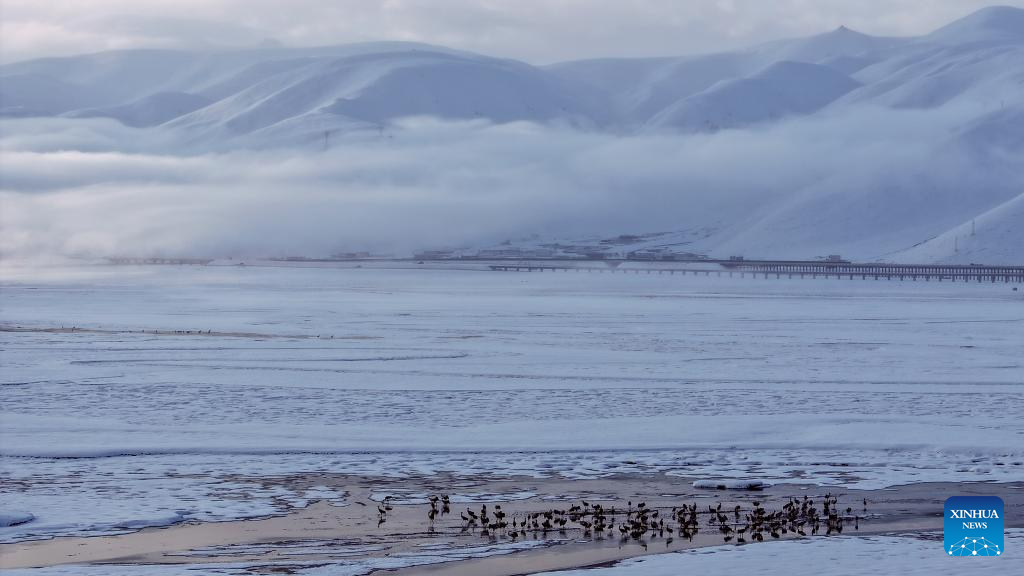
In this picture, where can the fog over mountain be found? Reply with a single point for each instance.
(872, 147)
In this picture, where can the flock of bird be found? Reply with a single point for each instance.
(796, 516)
(641, 523)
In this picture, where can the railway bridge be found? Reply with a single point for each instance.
(888, 271)
(789, 269)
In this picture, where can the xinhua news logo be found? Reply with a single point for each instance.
(974, 526)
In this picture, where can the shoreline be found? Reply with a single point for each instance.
(351, 532)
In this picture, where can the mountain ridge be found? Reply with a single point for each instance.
(621, 95)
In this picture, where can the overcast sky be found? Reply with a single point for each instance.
(538, 31)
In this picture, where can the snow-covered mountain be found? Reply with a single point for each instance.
(219, 94)
(214, 96)
(966, 77)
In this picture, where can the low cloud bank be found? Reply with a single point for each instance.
(95, 188)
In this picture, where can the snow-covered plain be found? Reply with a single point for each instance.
(407, 372)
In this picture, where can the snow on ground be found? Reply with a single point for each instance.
(995, 236)
(406, 372)
(908, 556)
(88, 497)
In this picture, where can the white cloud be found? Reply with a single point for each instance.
(441, 183)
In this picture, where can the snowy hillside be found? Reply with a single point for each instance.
(992, 24)
(373, 89)
(224, 94)
(782, 89)
(148, 111)
(994, 236)
(227, 93)
(842, 142)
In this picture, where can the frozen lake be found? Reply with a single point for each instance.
(405, 372)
